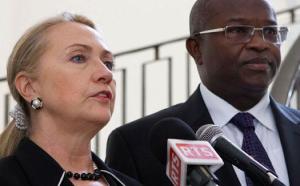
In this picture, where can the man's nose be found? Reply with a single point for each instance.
(257, 41)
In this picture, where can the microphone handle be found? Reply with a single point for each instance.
(258, 173)
(252, 168)
(200, 176)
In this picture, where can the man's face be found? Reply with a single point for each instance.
(227, 67)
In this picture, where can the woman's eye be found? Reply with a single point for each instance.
(109, 64)
(78, 59)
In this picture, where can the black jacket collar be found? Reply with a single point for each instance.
(288, 124)
(41, 169)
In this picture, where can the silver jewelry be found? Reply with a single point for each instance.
(20, 118)
(37, 103)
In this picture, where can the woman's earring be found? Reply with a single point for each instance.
(37, 103)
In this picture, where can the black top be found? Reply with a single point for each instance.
(32, 166)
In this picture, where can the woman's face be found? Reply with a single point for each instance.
(74, 76)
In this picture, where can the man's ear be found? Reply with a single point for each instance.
(193, 48)
(24, 85)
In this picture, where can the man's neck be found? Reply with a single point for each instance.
(242, 100)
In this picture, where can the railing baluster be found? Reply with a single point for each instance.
(6, 108)
(124, 95)
(188, 75)
(170, 80)
(143, 89)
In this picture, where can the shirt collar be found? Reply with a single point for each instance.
(221, 111)
(263, 113)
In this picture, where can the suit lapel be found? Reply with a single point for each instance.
(289, 132)
(195, 113)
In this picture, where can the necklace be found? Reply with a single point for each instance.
(85, 176)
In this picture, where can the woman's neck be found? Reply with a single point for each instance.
(71, 150)
(71, 154)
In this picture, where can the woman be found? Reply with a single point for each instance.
(60, 74)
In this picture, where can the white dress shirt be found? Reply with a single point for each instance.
(221, 113)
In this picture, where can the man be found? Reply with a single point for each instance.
(236, 47)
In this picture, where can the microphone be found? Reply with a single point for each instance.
(183, 158)
(186, 160)
(233, 154)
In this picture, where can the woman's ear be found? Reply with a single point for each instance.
(193, 47)
(24, 85)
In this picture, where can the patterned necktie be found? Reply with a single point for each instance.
(251, 143)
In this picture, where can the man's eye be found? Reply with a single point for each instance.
(109, 64)
(78, 59)
(238, 29)
(270, 30)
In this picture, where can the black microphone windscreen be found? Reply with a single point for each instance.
(165, 129)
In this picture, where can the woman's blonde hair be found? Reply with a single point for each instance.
(24, 58)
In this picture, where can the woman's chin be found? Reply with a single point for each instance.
(102, 121)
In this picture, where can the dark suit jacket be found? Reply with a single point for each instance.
(128, 150)
(31, 166)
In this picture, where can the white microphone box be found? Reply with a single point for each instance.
(182, 153)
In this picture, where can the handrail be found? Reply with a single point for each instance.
(288, 9)
(286, 78)
(291, 10)
(150, 46)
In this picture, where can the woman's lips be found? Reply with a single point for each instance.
(103, 95)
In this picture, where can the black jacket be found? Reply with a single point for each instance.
(32, 166)
(128, 148)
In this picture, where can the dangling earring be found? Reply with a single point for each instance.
(37, 103)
